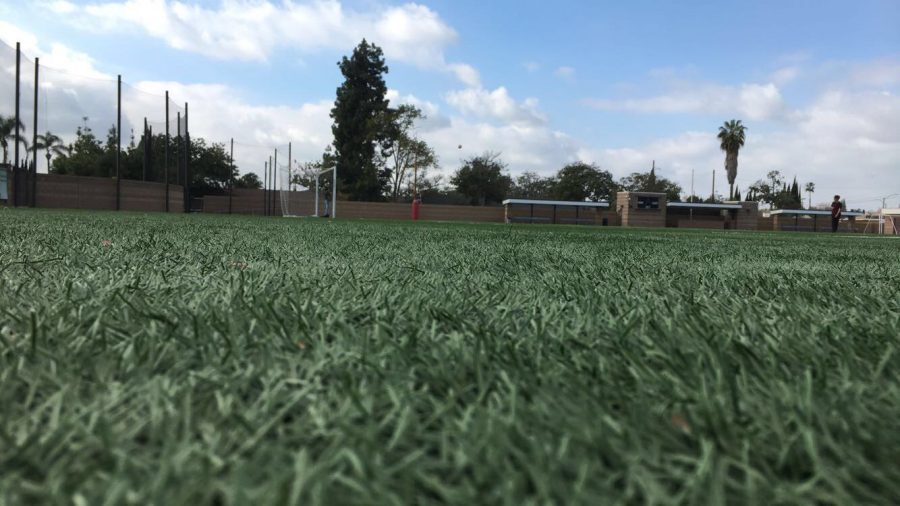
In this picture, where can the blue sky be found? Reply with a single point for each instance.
(544, 83)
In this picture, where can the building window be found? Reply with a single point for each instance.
(644, 202)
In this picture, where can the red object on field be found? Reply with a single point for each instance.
(415, 209)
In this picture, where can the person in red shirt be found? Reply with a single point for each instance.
(837, 209)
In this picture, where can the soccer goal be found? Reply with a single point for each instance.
(289, 193)
(294, 195)
(330, 210)
(890, 221)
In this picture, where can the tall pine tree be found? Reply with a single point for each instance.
(358, 111)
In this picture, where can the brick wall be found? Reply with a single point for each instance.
(821, 224)
(246, 201)
(251, 201)
(631, 216)
(56, 191)
(747, 218)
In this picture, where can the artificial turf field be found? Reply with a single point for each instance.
(167, 360)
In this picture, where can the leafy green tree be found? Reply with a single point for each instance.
(732, 136)
(649, 182)
(358, 129)
(211, 168)
(84, 157)
(249, 180)
(530, 185)
(774, 177)
(408, 157)
(482, 180)
(582, 181)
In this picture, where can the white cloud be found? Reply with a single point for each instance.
(496, 105)
(254, 29)
(62, 7)
(522, 147)
(465, 73)
(845, 142)
(433, 117)
(785, 75)
(567, 73)
(532, 66)
(752, 101)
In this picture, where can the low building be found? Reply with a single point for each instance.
(646, 209)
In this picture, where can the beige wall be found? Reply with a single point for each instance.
(247, 201)
(748, 216)
(56, 191)
(631, 216)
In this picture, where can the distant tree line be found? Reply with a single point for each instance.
(483, 181)
(210, 167)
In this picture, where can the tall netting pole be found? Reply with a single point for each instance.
(34, 136)
(274, 181)
(178, 148)
(119, 145)
(231, 175)
(187, 161)
(145, 139)
(334, 192)
(266, 187)
(16, 175)
(166, 153)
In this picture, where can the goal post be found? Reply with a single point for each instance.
(332, 210)
(889, 221)
(292, 203)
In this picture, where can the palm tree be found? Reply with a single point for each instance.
(810, 189)
(8, 133)
(732, 135)
(53, 145)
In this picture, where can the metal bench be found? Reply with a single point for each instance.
(528, 219)
(577, 221)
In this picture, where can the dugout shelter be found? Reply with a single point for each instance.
(555, 212)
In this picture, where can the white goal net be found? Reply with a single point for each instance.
(307, 195)
(290, 206)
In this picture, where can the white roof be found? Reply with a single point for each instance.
(811, 212)
(569, 203)
(891, 212)
(699, 205)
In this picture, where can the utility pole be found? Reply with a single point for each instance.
(713, 196)
(166, 153)
(34, 145)
(118, 143)
(273, 180)
(16, 172)
(187, 160)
